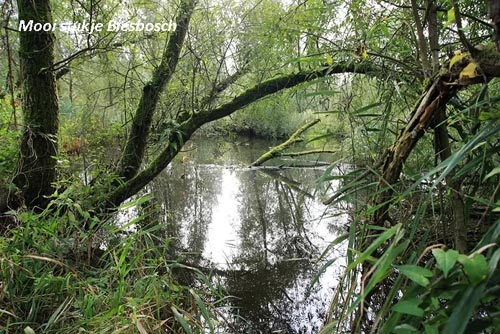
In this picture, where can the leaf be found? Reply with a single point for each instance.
(451, 17)
(140, 327)
(330, 328)
(182, 321)
(321, 271)
(445, 260)
(404, 329)
(374, 245)
(459, 55)
(489, 115)
(463, 310)
(494, 259)
(495, 171)
(409, 307)
(489, 130)
(361, 50)
(201, 305)
(416, 274)
(364, 54)
(360, 111)
(462, 258)
(431, 329)
(468, 72)
(476, 268)
(329, 59)
(28, 330)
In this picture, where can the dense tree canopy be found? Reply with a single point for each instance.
(412, 84)
(271, 47)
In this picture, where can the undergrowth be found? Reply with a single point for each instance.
(406, 276)
(56, 277)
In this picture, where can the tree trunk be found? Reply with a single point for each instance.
(433, 102)
(136, 144)
(36, 164)
(494, 9)
(443, 150)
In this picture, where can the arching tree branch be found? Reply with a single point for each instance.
(188, 126)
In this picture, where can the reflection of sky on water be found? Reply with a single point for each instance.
(262, 230)
(222, 237)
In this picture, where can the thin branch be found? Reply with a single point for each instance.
(442, 10)
(422, 45)
(458, 22)
(358, 178)
(220, 87)
(301, 153)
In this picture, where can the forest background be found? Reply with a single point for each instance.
(407, 93)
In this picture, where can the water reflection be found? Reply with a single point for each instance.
(260, 228)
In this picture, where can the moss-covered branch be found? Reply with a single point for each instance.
(278, 150)
(189, 126)
(275, 85)
(133, 154)
(433, 102)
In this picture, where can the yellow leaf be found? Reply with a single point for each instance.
(364, 54)
(361, 51)
(458, 57)
(329, 59)
(468, 72)
(451, 17)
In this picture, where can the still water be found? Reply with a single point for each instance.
(259, 231)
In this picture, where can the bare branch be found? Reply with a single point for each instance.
(422, 44)
(458, 22)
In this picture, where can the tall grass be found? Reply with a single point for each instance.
(406, 277)
(57, 278)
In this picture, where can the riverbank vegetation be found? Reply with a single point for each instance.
(406, 93)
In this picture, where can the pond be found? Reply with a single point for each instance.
(259, 231)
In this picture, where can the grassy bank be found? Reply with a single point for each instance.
(57, 278)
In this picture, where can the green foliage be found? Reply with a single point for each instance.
(9, 138)
(448, 293)
(46, 283)
(454, 294)
(59, 277)
(266, 118)
(392, 282)
(459, 296)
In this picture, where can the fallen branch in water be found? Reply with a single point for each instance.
(296, 154)
(278, 150)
